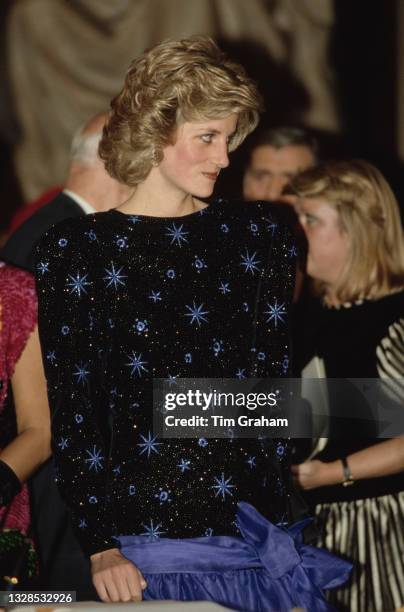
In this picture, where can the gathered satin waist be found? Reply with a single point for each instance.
(261, 545)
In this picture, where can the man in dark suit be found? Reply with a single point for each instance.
(88, 189)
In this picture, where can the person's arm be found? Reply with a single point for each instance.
(378, 460)
(31, 447)
(115, 578)
(74, 341)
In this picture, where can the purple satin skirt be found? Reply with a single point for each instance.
(268, 569)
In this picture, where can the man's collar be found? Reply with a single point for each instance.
(84, 205)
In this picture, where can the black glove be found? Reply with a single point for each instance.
(9, 484)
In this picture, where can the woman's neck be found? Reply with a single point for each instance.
(155, 200)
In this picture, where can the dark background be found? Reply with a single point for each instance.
(363, 55)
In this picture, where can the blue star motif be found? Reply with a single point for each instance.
(230, 433)
(114, 277)
(117, 470)
(134, 219)
(280, 450)
(276, 312)
(251, 462)
(217, 346)
(223, 486)
(141, 326)
(249, 262)
(271, 226)
(172, 380)
(51, 356)
(184, 465)
(137, 364)
(155, 296)
(149, 445)
(196, 313)
(78, 284)
(63, 443)
(177, 234)
(43, 267)
(241, 373)
(224, 288)
(95, 459)
(121, 242)
(82, 373)
(199, 263)
(152, 532)
(163, 496)
(292, 251)
(82, 524)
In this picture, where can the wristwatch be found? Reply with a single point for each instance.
(348, 480)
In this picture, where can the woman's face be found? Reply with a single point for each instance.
(192, 164)
(328, 243)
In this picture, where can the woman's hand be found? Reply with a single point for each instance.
(115, 578)
(313, 474)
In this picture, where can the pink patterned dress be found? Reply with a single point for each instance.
(18, 316)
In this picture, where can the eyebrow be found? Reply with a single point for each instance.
(208, 129)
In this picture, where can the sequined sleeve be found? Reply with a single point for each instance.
(68, 326)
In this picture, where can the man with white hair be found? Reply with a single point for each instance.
(88, 189)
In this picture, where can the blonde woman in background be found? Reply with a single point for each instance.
(356, 328)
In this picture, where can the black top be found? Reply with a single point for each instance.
(19, 249)
(125, 298)
(362, 340)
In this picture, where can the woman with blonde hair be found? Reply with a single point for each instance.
(355, 330)
(166, 286)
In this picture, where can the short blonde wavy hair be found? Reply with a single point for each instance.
(368, 212)
(176, 81)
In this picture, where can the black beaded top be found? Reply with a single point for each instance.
(126, 298)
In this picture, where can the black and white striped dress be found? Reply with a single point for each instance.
(364, 522)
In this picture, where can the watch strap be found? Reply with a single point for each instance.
(348, 479)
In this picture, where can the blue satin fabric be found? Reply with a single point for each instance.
(268, 569)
